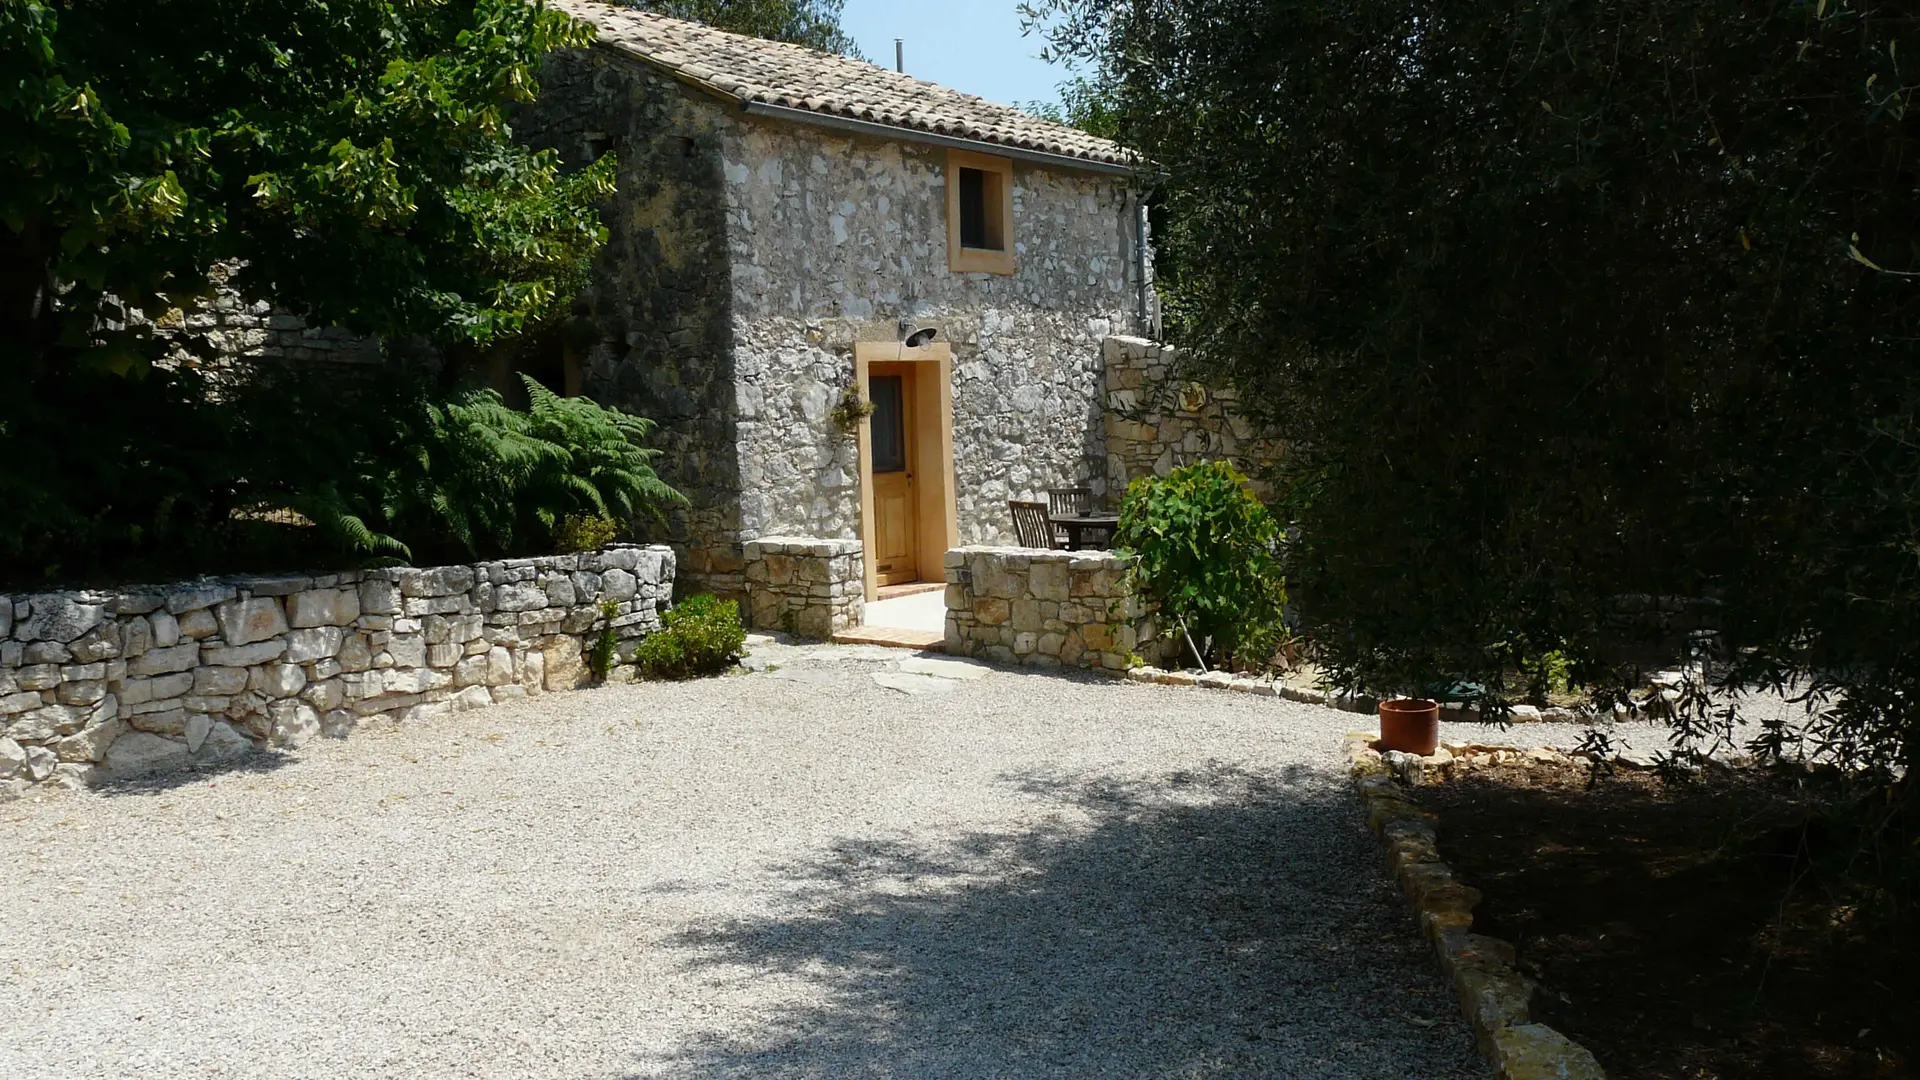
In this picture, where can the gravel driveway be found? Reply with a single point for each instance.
(795, 873)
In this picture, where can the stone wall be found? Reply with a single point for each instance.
(804, 585)
(105, 683)
(1158, 421)
(838, 238)
(653, 327)
(1048, 609)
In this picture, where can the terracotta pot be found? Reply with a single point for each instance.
(1411, 725)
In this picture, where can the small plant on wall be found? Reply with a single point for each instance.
(606, 645)
(852, 408)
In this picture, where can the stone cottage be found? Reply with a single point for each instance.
(798, 235)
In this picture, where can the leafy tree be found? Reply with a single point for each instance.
(353, 154)
(813, 23)
(1562, 303)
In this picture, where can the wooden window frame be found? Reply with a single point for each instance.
(966, 260)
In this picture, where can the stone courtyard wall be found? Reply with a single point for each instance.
(1047, 609)
(106, 683)
(1157, 421)
(233, 328)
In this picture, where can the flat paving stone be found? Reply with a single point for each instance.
(914, 684)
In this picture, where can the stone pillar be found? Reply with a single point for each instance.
(804, 585)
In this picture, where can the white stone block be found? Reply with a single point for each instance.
(57, 617)
(199, 625)
(136, 752)
(13, 756)
(219, 680)
(245, 656)
(316, 643)
(243, 622)
(278, 680)
(222, 742)
(294, 724)
(323, 607)
(473, 697)
(91, 744)
(40, 763)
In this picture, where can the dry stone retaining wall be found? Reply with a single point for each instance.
(804, 585)
(1050, 609)
(102, 683)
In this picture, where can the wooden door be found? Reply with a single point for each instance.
(895, 503)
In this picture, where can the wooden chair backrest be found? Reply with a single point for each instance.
(1030, 525)
(1066, 501)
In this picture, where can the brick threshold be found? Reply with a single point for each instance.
(893, 637)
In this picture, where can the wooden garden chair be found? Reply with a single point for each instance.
(1030, 525)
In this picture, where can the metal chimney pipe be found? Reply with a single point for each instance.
(900, 55)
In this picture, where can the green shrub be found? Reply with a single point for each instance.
(578, 532)
(701, 636)
(470, 477)
(1207, 552)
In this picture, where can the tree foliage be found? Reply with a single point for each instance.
(1084, 103)
(352, 153)
(1562, 302)
(813, 23)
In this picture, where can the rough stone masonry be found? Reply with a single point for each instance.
(748, 256)
(113, 683)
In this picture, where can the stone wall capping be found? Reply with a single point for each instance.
(273, 586)
(1495, 997)
(96, 685)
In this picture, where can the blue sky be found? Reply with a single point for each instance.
(970, 45)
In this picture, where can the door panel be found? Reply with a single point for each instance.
(896, 533)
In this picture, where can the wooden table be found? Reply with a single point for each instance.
(1079, 526)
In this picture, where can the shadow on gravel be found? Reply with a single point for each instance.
(1207, 924)
(259, 762)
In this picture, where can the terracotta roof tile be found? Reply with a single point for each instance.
(774, 73)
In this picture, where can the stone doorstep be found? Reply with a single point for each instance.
(1494, 996)
(893, 637)
(894, 592)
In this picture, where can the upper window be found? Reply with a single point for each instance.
(979, 213)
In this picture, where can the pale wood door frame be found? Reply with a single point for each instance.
(936, 510)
